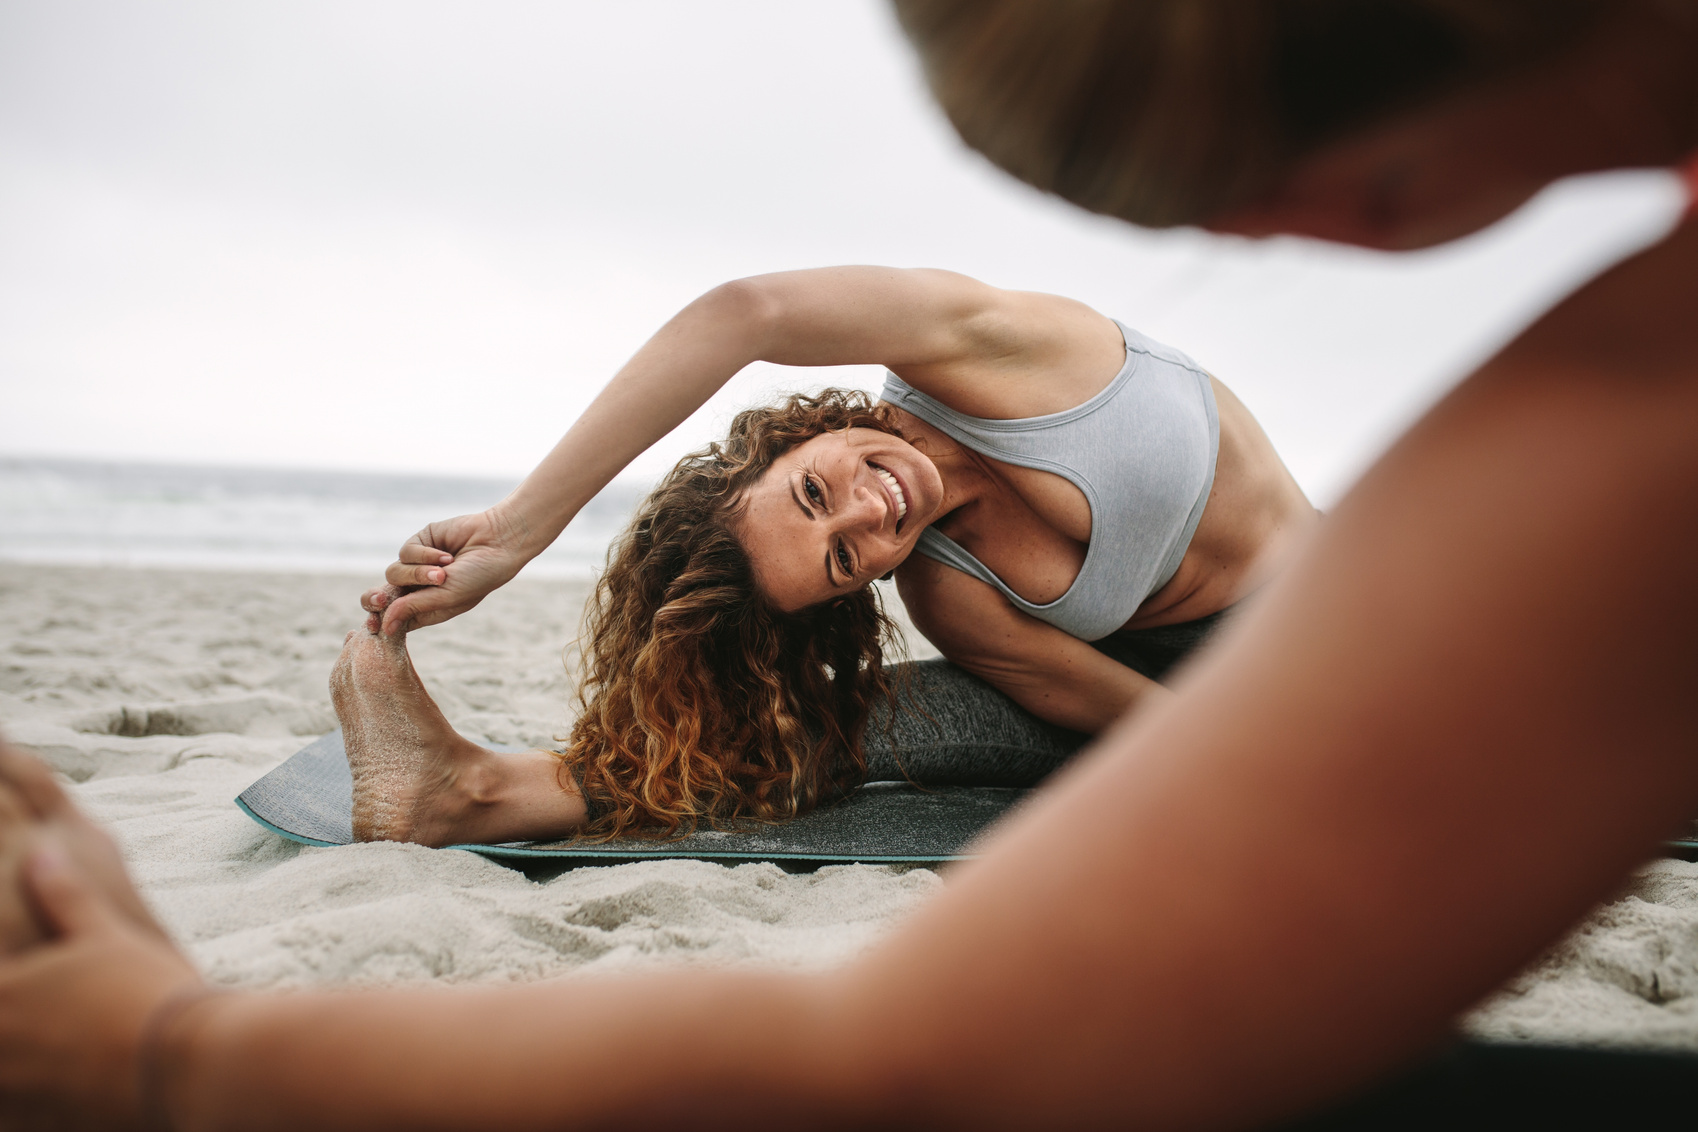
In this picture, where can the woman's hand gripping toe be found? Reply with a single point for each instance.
(446, 569)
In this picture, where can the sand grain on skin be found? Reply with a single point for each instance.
(383, 744)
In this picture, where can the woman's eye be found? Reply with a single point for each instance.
(843, 560)
(812, 489)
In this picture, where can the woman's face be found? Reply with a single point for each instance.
(836, 512)
(1451, 167)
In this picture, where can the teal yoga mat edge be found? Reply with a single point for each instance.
(704, 855)
(596, 852)
(283, 833)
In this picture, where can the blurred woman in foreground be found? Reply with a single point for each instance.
(1448, 730)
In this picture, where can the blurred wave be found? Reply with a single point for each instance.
(96, 513)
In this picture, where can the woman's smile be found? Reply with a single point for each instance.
(892, 484)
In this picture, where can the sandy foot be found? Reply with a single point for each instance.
(409, 766)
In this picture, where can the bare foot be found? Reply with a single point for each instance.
(416, 778)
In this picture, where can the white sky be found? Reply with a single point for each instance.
(420, 236)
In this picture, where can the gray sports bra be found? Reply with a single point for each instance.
(1143, 452)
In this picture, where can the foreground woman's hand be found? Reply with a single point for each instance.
(447, 568)
(75, 1013)
(35, 812)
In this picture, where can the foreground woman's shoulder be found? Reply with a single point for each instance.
(1638, 321)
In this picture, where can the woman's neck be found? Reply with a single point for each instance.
(965, 476)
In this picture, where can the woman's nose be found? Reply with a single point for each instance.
(868, 507)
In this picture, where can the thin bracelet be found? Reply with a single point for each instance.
(150, 1054)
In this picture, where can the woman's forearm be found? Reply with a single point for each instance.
(1087, 697)
(665, 1049)
(1057, 677)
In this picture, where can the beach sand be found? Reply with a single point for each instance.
(161, 694)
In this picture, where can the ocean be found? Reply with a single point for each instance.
(224, 518)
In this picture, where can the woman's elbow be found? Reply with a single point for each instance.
(751, 306)
(737, 314)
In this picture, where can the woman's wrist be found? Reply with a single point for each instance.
(527, 525)
(164, 1056)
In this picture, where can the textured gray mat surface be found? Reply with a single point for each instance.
(309, 798)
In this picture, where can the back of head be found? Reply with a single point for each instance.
(699, 702)
(1169, 112)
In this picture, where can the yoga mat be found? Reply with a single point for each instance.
(309, 798)
(1686, 845)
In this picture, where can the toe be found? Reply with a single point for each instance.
(400, 574)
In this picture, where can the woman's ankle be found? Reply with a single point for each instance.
(515, 797)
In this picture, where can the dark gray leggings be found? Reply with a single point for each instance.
(976, 736)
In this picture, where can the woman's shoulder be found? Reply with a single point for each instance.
(1029, 355)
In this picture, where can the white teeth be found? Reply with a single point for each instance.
(895, 490)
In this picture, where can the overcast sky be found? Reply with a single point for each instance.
(420, 236)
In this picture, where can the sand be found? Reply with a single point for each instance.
(212, 679)
(161, 694)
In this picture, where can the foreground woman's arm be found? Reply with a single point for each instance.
(937, 327)
(1401, 774)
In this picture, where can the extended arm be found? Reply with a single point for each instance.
(935, 327)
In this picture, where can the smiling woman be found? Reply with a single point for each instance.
(841, 494)
(1068, 509)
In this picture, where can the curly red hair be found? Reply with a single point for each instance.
(700, 703)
